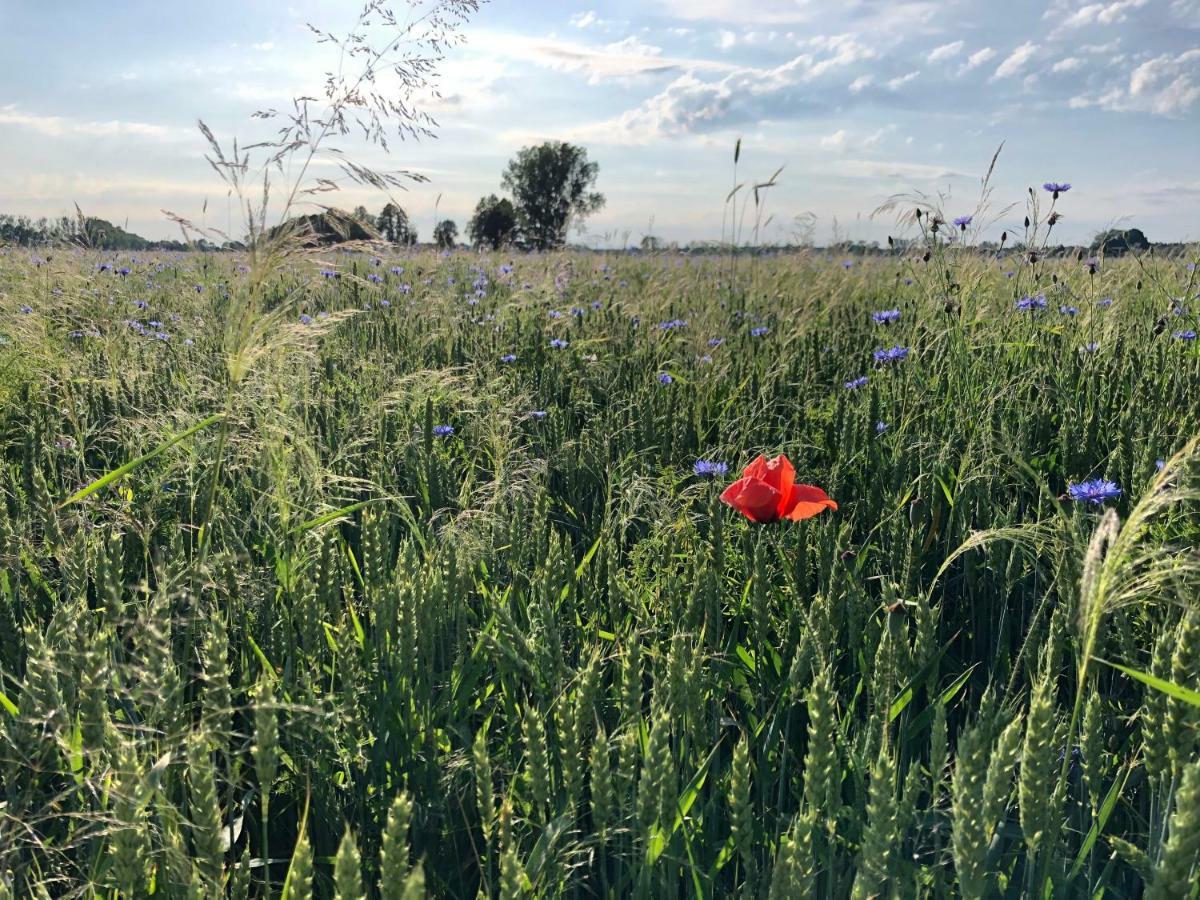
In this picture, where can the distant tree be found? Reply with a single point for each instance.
(651, 244)
(333, 226)
(493, 224)
(394, 226)
(360, 214)
(445, 235)
(551, 185)
(1116, 241)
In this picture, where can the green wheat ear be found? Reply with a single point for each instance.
(347, 870)
(1174, 876)
(394, 870)
(877, 863)
(298, 885)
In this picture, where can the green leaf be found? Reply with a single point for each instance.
(9, 706)
(1106, 809)
(334, 514)
(745, 656)
(1178, 691)
(905, 696)
(109, 477)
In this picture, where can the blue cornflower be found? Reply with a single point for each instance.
(443, 430)
(1032, 303)
(715, 342)
(508, 358)
(555, 314)
(855, 383)
(397, 270)
(305, 319)
(1160, 464)
(330, 273)
(963, 221)
(1055, 188)
(187, 342)
(141, 304)
(538, 413)
(25, 308)
(558, 343)
(1091, 347)
(672, 325)
(886, 316)
(1069, 310)
(665, 378)
(759, 331)
(1188, 335)
(1104, 301)
(375, 278)
(846, 264)
(890, 354)
(881, 427)
(385, 303)
(707, 468)
(1095, 491)
(596, 304)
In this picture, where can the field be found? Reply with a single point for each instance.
(350, 576)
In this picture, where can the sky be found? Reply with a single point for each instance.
(855, 102)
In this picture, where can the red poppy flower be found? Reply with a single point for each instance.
(767, 492)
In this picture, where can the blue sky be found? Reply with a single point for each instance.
(856, 100)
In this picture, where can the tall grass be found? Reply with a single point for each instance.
(535, 656)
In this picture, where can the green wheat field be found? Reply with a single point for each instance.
(361, 576)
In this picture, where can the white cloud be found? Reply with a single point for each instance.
(835, 141)
(690, 104)
(945, 51)
(892, 171)
(861, 83)
(1015, 61)
(264, 46)
(583, 20)
(623, 60)
(875, 138)
(61, 126)
(1097, 13)
(726, 39)
(1167, 85)
(899, 81)
(1070, 64)
(759, 12)
(978, 58)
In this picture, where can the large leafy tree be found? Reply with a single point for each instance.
(551, 185)
(445, 234)
(494, 222)
(394, 226)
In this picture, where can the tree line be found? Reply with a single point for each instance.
(551, 187)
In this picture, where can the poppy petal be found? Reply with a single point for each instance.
(753, 498)
(778, 473)
(756, 469)
(806, 501)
